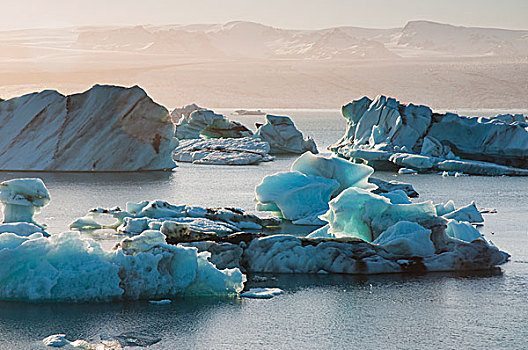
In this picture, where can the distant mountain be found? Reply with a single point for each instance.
(425, 35)
(240, 39)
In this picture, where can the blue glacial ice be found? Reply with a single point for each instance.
(69, 268)
(303, 193)
(388, 135)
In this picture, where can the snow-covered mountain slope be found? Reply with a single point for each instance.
(425, 35)
(106, 128)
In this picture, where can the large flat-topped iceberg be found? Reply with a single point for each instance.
(388, 134)
(106, 128)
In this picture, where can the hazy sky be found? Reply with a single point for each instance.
(16, 14)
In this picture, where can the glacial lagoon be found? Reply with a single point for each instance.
(471, 310)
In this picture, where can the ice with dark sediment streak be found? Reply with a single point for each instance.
(169, 219)
(106, 128)
(223, 151)
(388, 134)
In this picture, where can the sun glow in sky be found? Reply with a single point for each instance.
(302, 14)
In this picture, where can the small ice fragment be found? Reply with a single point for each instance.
(262, 293)
(56, 340)
(160, 302)
(407, 171)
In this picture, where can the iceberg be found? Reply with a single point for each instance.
(402, 248)
(204, 123)
(387, 134)
(21, 199)
(223, 151)
(283, 136)
(69, 268)
(302, 194)
(184, 112)
(106, 128)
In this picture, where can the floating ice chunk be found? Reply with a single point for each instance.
(445, 208)
(397, 197)
(407, 171)
(22, 198)
(365, 215)
(152, 214)
(160, 302)
(463, 231)
(289, 254)
(85, 223)
(389, 186)
(296, 195)
(302, 194)
(406, 239)
(56, 340)
(262, 293)
(346, 173)
(283, 136)
(206, 123)
(184, 112)
(228, 151)
(22, 229)
(413, 161)
(469, 213)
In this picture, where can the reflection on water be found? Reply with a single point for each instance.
(455, 310)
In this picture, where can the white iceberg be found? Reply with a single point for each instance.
(106, 128)
(387, 135)
(283, 136)
(184, 112)
(22, 198)
(223, 151)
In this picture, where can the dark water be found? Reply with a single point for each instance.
(439, 311)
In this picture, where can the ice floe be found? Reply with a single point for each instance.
(284, 137)
(106, 128)
(223, 151)
(387, 134)
(175, 221)
(261, 293)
